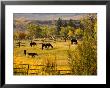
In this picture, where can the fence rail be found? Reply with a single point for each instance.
(27, 69)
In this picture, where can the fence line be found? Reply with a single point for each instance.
(25, 69)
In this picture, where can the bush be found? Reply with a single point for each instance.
(50, 67)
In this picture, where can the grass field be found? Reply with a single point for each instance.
(57, 54)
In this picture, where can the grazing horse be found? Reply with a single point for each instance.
(30, 54)
(74, 41)
(46, 45)
(32, 44)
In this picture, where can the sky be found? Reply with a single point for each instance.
(48, 16)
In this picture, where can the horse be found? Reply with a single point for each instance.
(46, 45)
(30, 54)
(32, 44)
(74, 41)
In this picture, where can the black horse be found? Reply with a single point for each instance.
(74, 41)
(32, 44)
(30, 54)
(46, 45)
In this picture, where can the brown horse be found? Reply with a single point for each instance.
(46, 45)
(32, 44)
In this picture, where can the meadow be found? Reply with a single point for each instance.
(58, 54)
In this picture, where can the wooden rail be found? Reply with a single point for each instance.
(26, 69)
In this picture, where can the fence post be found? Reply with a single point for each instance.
(28, 70)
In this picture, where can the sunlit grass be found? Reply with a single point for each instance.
(58, 55)
(58, 52)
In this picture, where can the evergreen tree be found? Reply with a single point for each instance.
(58, 26)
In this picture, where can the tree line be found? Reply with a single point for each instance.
(60, 28)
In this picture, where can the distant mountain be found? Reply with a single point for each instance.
(21, 25)
(48, 16)
(22, 20)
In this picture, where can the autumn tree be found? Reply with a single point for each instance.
(15, 35)
(71, 33)
(34, 30)
(64, 32)
(83, 60)
(79, 33)
(19, 35)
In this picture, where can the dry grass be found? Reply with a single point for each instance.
(55, 61)
(58, 53)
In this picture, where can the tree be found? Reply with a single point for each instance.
(70, 33)
(70, 23)
(48, 31)
(64, 23)
(15, 35)
(34, 30)
(19, 35)
(28, 35)
(79, 33)
(22, 35)
(64, 32)
(58, 26)
(51, 31)
(44, 32)
(83, 60)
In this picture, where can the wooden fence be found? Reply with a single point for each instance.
(27, 69)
